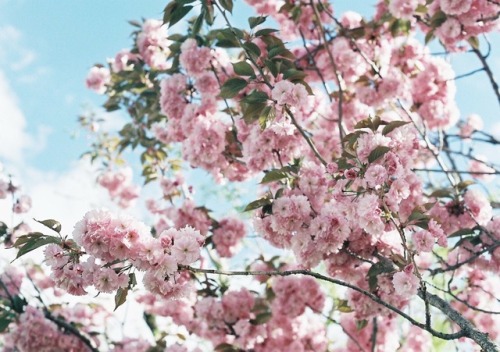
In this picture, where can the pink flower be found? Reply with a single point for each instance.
(285, 92)
(424, 241)
(194, 59)
(4, 188)
(185, 250)
(186, 247)
(473, 123)
(405, 282)
(227, 237)
(403, 8)
(122, 60)
(97, 79)
(106, 280)
(455, 7)
(22, 205)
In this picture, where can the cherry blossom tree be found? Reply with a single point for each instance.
(373, 214)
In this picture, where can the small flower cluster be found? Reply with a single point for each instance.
(111, 241)
(153, 44)
(245, 321)
(33, 332)
(119, 185)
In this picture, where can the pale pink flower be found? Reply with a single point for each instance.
(22, 205)
(424, 241)
(106, 280)
(405, 282)
(97, 79)
(285, 92)
(404, 9)
(455, 7)
(4, 188)
(185, 250)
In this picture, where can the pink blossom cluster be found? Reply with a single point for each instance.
(227, 236)
(386, 338)
(4, 187)
(464, 19)
(98, 79)
(119, 185)
(11, 279)
(22, 204)
(33, 332)
(153, 44)
(243, 320)
(293, 24)
(294, 295)
(479, 292)
(110, 241)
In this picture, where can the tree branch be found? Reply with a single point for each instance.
(468, 329)
(433, 301)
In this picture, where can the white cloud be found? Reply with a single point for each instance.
(13, 136)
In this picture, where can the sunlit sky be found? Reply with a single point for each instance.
(46, 50)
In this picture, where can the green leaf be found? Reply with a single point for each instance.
(462, 232)
(209, 13)
(441, 193)
(256, 97)
(273, 175)
(32, 241)
(464, 184)
(227, 5)
(178, 14)
(6, 318)
(255, 21)
(120, 297)
(252, 111)
(265, 31)
(198, 23)
(377, 153)
(417, 215)
(231, 87)
(438, 19)
(428, 37)
(474, 42)
(293, 74)
(360, 324)
(261, 318)
(343, 306)
(366, 123)
(280, 51)
(243, 68)
(256, 204)
(381, 267)
(391, 126)
(51, 224)
(252, 49)
(3, 229)
(266, 115)
(225, 347)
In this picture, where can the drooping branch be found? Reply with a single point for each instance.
(467, 329)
